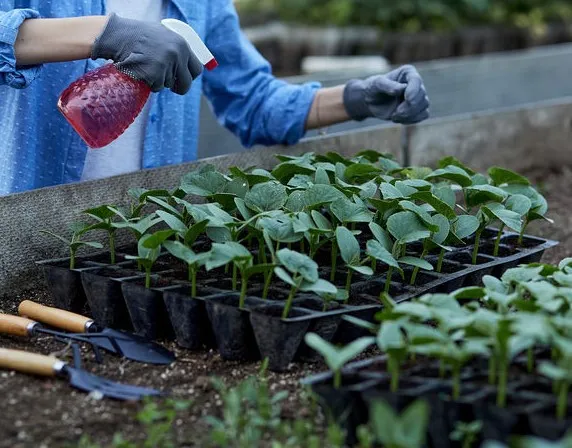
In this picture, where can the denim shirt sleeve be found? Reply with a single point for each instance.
(244, 95)
(10, 74)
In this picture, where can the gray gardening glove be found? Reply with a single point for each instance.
(149, 52)
(398, 96)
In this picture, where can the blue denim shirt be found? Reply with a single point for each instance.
(39, 148)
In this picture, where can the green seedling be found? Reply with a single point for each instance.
(193, 260)
(321, 233)
(347, 212)
(518, 204)
(222, 254)
(441, 201)
(491, 212)
(407, 430)
(516, 184)
(538, 206)
(351, 254)
(504, 343)
(467, 433)
(215, 186)
(148, 251)
(381, 238)
(451, 173)
(266, 197)
(301, 273)
(336, 358)
(328, 298)
(406, 227)
(103, 215)
(391, 341)
(138, 226)
(142, 195)
(560, 372)
(292, 165)
(75, 242)
(454, 353)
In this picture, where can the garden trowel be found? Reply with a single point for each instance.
(84, 329)
(35, 364)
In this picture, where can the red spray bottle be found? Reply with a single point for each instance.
(103, 103)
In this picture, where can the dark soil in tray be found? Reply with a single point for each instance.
(504, 251)
(450, 268)
(466, 258)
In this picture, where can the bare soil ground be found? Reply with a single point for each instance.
(40, 412)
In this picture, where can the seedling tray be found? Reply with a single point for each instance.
(530, 409)
(167, 311)
(254, 332)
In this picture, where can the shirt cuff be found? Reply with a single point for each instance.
(297, 108)
(12, 75)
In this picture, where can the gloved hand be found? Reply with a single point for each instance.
(149, 52)
(398, 96)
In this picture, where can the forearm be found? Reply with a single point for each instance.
(57, 40)
(327, 108)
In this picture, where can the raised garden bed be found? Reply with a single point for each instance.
(37, 405)
(291, 250)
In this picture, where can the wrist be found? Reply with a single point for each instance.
(354, 100)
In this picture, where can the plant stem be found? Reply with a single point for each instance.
(476, 248)
(562, 405)
(337, 379)
(334, 261)
(416, 270)
(501, 394)
(373, 264)
(267, 281)
(492, 370)
(441, 368)
(288, 303)
(302, 245)
(112, 247)
(530, 359)
(497, 241)
(393, 367)
(521, 234)
(243, 288)
(148, 277)
(193, 272)
(314, 241)
(72, 259)
(349, 280)
(440, 261)
(388, 279)
(456, 381)
(234, 276)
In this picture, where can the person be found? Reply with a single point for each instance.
(45, 46)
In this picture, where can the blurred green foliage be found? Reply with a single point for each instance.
(416, 15)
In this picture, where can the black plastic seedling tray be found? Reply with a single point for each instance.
(530, 407)
(254, 332)
(166, 310)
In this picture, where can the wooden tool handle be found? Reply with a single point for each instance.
(15, 325)
(28, 362)
(54, 316)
